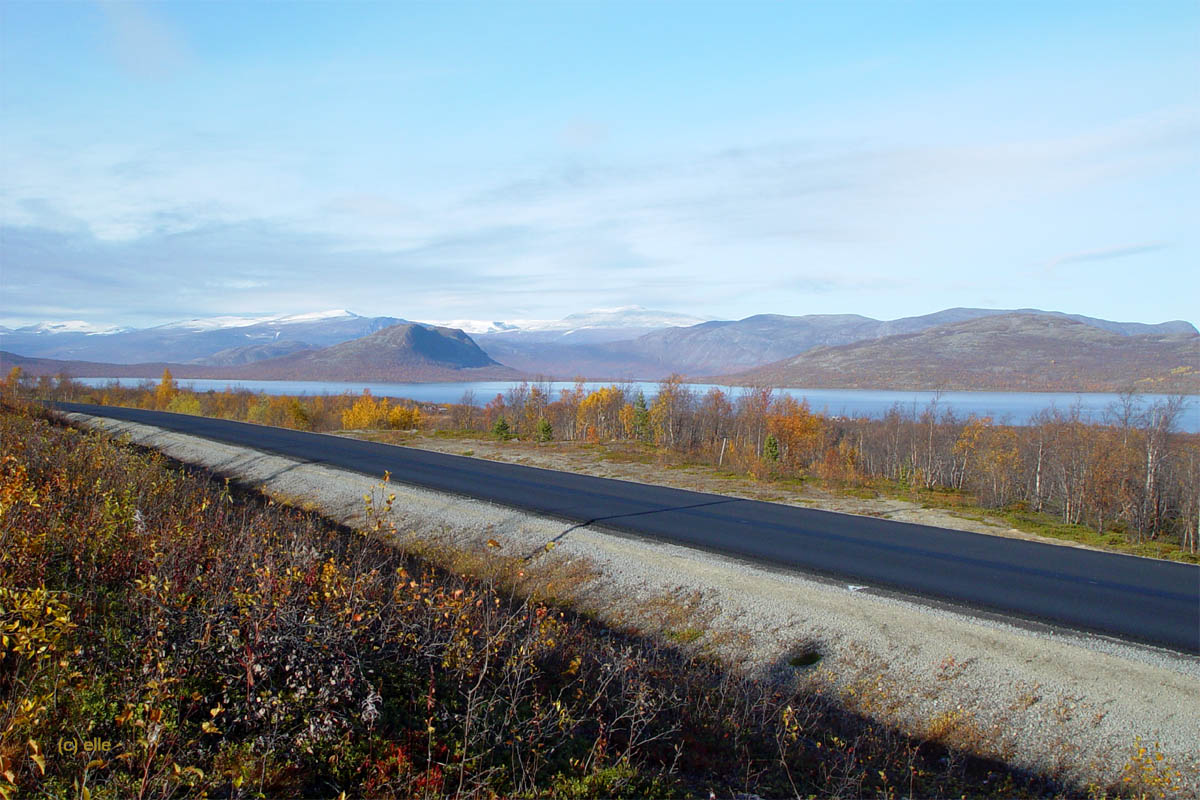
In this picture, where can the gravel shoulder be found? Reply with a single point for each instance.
(1073, 705)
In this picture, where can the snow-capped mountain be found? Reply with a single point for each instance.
(69, 326)
(218, 340)
(216, 323)
(600, 324)
(241, 339)
(474, 326)
(625, 317)
(213, 323)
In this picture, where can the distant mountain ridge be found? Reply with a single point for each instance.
(402, 353)
(405, 352)
(1004, 352)
(196, 341)
(608, 344)
(600, 324)
(231, 340)
(726, 346)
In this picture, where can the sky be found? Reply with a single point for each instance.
(501, 161)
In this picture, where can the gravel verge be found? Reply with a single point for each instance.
(1071, 704)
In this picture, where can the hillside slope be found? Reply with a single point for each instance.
(725, 346)
(1009, 352)
(406, 352)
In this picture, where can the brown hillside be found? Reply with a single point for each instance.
(1010, 352)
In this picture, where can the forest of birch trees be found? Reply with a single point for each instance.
(1131, 471)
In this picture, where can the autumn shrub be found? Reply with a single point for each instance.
(404, 418)
(197, 631)
(184, 404)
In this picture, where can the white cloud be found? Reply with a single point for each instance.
(745, 230)
(1104, 254)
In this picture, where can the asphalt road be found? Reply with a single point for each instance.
(1136, 599)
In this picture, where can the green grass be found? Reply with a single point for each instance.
(1048, 525)
(962, 504)
(457, 434)
(644, 454)
(806, 659)
(684, 635)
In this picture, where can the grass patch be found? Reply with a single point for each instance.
(685, 635)
(456, 434)
(964, 505)
(807, 658)
(1047, 525)
(635, 454)
(385, 437)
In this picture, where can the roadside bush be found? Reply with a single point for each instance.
(185, 404)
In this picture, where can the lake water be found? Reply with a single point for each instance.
(1012, 407)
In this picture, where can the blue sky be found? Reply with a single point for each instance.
(529, 160)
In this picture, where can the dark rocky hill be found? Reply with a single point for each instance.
(405, 352)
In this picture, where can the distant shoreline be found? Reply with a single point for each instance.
(1017, 407)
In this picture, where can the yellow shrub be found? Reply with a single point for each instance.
(366, 412)
(404, 418)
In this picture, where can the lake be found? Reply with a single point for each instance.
(1012, 407)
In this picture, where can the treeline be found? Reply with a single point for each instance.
(324, 412)
(1132, 474)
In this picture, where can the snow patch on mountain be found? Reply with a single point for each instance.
(217, 323)
(620, 317)
(315, 316)
(483, 326)
(628, 317)
(213, 323)
(71, 326)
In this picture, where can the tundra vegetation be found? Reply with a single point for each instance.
(185, 638)
(1129, 482)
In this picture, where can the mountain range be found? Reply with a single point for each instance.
(964, 348)
(726, 346)
(214, 341)
(1006, 352)
(403, 352)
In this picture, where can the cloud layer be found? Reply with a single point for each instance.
(201, 169)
